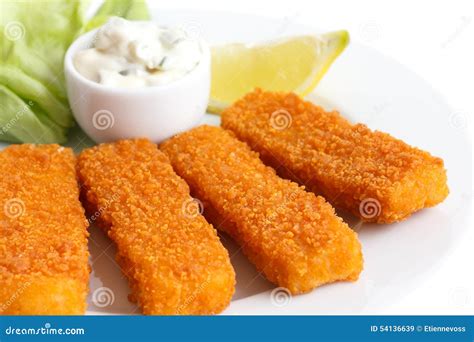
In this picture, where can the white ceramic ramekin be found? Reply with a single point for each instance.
(108, 113)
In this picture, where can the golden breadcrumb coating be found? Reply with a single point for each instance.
(44, 266)
(172, 257)
(292, 236)
(369, 173)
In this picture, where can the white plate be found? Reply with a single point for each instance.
(366, 87)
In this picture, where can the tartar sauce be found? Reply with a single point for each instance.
(138, 54)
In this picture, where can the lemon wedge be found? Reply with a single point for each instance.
(290, 64)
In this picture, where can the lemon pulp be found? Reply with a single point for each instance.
(291, 64)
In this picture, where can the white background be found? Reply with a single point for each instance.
(436, 40)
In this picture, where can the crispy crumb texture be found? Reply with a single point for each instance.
(172, 257)
(292, 236)
(369, 173)
(43, 233)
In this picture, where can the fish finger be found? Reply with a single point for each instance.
(171, 255)
(44, 266)
(369, 173)
(292, 236)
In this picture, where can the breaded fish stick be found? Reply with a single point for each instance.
(368, 173)
(292, 236)
(44, 266)
(172, 257)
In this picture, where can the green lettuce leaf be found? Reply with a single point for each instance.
(132, 10)
(35, 36)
